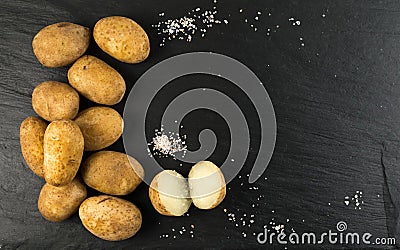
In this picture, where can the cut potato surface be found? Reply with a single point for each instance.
(207, 185)
(169, 193)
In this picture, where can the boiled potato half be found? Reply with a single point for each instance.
(60, 44)
(59, 203)
(122, 38)
(207, 185)
(100, 126)
(110, 218)
(112, 173)
(55, 101)
(31, 134)
(96, 80)
(169, 193)
(63, 150)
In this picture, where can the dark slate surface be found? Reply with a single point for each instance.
(336, 101)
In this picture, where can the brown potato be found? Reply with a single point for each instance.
(169, 193)
(96, 80)
(60, 44)
(63, 150)
(207, 185)
(59, 203)
(100, 126)
(55, 101)
(31, 136)
(122, 38)
(112, 173)
(110, 218)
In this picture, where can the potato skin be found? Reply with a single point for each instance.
(63, 150)
(100, 126)
(155, 199)
(122, 38)
(96, 80)
(221, 196)
(31, 134)
(112, 173)
(55, 101)
(110, 218)
(60, 44)
(59, 203)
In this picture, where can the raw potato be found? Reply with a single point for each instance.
(110, 218)
(63, 150)
(100, 126)
(59, 203)
(169, 193)
(55, 101)
(122, 38)
(96, 80)
(31, 136)
(60, 44)
(207, 185)
(112, 173)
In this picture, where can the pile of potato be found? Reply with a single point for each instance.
(54, 145)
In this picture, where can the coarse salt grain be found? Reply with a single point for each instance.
(167, 144)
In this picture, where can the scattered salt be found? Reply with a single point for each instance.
(356, 199)
(185, 27)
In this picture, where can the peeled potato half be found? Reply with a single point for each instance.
(169, 193)
(207, 185)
